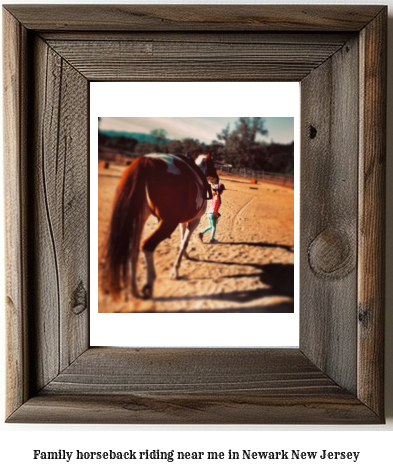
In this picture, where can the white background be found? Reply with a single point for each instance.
(174, 330)
(374, 442)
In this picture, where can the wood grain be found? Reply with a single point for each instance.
(194, 17)
(16, 226)
(326, 409)
(372, 169)
(59, 171)
(200, 37)
(203, 371)
(185, 59)
(329, 216)
(201, 386)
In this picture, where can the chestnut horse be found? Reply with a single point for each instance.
(170, 188)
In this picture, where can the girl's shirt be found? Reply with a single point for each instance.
(214, 205)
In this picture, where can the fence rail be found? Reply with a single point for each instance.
(275, 178)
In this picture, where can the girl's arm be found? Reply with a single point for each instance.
(216, 206)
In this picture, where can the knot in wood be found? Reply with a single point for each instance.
(330, 254)
(364, 316)
(313, 132)
(79, 299)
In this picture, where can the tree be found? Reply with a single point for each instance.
(280, 158)
(192, 147)
(102, 138)
(160, 138)
(216, 149)
(175, 146)
(145, 147)
(241, 145)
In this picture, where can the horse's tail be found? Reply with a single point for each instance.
(126, 226)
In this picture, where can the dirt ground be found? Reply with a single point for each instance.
(250, 269)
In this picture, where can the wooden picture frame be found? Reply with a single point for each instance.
(338, 54)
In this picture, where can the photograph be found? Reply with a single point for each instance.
(196, 214)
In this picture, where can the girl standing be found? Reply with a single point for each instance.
(213, 213)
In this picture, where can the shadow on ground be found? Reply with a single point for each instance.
(277, 277)
(261, 244)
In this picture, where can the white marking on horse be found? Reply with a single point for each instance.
(201, 163)
(199, 197)
(169, 160)
(172, 168)
(148, 197)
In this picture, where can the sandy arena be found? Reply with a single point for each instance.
(250, 269)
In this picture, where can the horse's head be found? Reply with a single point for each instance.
(206, 163)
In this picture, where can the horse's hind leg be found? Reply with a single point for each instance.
(191, 226)
(162, 232)
(183, 227)
(135, 250)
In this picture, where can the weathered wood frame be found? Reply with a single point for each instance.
(338, 54)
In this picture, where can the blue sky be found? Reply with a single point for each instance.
(205, 129)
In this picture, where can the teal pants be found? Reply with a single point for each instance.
(212, 226)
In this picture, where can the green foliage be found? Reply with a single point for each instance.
(241, 146)
(160, 139)
(175, 146)
(192, 147)
(280, 158)
(117, 142)
(146, 147)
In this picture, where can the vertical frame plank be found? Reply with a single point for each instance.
(372, 168)
(44, 274)
(15, 40)
(72, 189)
(329, 216)
(60, 177)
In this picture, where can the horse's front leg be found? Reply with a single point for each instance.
(190, 227)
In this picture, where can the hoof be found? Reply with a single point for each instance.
(147, 292)
(174, 275)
